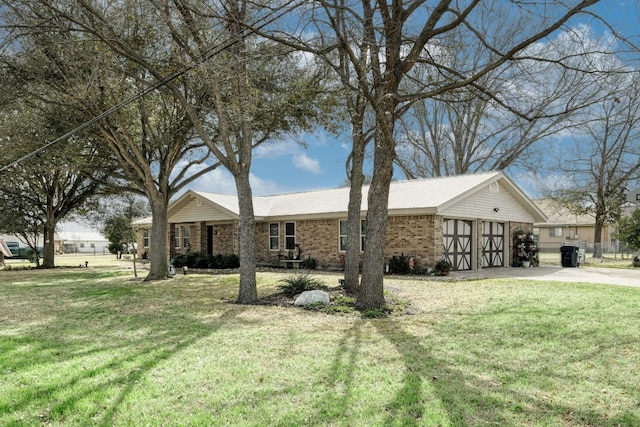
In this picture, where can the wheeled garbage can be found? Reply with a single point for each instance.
(569, 256)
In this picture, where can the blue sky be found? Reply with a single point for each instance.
(288, 166)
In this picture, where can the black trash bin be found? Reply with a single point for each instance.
(569, 256)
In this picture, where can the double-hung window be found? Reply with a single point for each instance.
(186, 236)
(145, 238)
(290, 235)
(343, 234)
(274, 236)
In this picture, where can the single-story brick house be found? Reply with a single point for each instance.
(468, 219)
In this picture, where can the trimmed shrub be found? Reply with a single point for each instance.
(200, 260)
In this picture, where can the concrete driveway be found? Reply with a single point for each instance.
(611, 276)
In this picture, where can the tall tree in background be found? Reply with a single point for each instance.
(116, 216)
(465, 131)
(47, 188)
(601, 160)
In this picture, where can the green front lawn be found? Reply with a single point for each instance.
(95, 347)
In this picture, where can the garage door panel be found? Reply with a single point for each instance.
(458, 240)
(492, 244)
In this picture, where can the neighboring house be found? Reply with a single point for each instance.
(467, 219)
(566, 228)
(84, 241)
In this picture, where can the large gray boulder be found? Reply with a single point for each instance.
(310, 297)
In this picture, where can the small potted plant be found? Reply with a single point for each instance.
(443, 267)
(519, 233)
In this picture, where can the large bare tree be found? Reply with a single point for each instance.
(466, 131)
(600, 163)
(403, 36)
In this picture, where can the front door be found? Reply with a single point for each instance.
(209, 239)
(457, 243)
(492, 244)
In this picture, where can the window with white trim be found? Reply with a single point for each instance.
(177, 235)
(342, 240)
(289, 235)
(274, 236)
(145, 237)
(186, 236)
(555, 232)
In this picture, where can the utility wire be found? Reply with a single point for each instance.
(270, 17)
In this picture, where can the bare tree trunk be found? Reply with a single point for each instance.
(158, 257)
(352, 260)
(248, 290)
(371, 295)
(48, 256)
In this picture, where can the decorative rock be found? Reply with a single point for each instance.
(310, 297)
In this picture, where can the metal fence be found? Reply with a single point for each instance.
(596, 250)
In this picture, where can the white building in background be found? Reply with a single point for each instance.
(80, 238)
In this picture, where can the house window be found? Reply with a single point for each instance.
(290, 235)
(343, 234)
(145, 237)
(274, 236)
(555, 232)
(82, 245)
(363, 233)
(186, 237)
(177, 236)
(92, 245)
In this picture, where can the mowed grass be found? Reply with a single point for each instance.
(96, 347)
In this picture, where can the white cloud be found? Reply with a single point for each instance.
(263, 187)
(304, 162)
(221, 181)
(216, 181)
(277, 149)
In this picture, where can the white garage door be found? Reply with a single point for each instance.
(457, 243)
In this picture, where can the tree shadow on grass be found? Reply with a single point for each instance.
(469, 396)
(106, 383)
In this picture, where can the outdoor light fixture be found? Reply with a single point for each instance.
(496, 209)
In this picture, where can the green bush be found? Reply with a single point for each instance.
(309, 263)
(296, 284)
(399, 265)
(200, 260)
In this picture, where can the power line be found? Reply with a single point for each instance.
(270, 17)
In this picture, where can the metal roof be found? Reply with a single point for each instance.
(429, 195)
